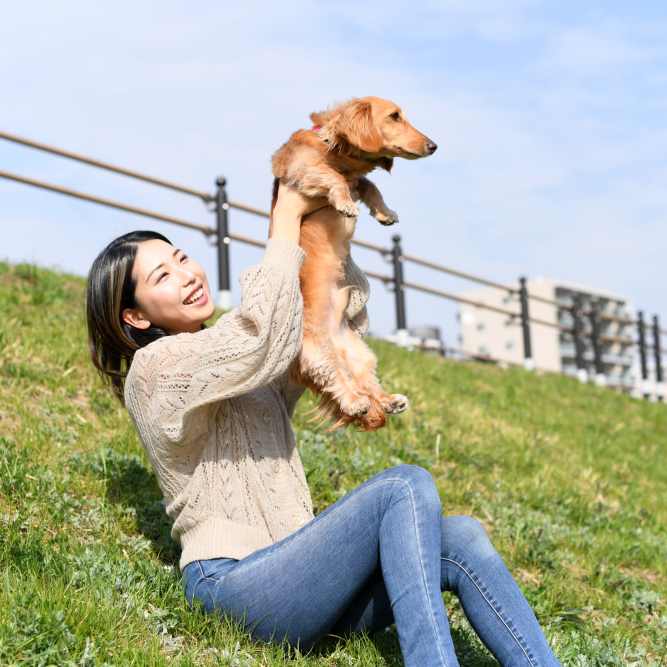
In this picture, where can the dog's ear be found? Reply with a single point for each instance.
(355, 124)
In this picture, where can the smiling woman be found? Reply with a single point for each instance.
(140, 288)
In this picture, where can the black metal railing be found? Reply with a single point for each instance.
(221, 237)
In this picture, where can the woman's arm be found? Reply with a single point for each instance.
(247, 347)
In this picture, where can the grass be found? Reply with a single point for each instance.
(569, 481)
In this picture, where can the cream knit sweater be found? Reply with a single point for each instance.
(213, 409)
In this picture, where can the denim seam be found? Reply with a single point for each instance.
(421, 565)
(194, 589)
(495, 611)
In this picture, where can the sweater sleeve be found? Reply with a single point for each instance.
(247, 347)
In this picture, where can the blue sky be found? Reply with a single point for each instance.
(550, 118)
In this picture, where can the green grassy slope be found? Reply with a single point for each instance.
(569, 481)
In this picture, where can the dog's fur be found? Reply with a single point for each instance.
(347, 142)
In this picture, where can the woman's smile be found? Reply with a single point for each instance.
(200, 298)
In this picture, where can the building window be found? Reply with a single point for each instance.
(481, 326)
(482, 349)
(509, 345)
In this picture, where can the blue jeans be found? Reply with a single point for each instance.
(381, 554)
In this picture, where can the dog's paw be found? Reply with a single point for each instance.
(355, 407)
(397, 403)
(348, 209)
(386, 216)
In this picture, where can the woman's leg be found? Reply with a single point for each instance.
(298, 587)
(491, 599)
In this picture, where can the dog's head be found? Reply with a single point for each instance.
(375, 127)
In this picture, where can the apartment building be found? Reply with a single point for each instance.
(485, 333)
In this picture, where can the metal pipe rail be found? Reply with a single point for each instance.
(249, 209)
(459, 299)
(78, 157)
(222, 204)
(458, 273)
(207, 197)
(106, 202)
(501, 286)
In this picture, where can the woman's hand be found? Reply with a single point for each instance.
(290, 210)
(292, 203)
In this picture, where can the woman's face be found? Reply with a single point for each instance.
(165, 278)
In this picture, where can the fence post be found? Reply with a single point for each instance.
(579, 347)
(399, 293)
(222, 220)
(657, 350)
(600, 378)
(641, 330)
(528, 362)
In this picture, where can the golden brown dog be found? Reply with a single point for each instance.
(332, 159)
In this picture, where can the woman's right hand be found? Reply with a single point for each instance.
(292, 203)
(290, 210)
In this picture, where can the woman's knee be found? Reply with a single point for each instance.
(463, 533)
(419, 480)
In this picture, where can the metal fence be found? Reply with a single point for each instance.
(218, 203)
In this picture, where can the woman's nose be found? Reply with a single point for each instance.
(189, 277)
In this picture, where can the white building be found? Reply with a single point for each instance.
(498, 336)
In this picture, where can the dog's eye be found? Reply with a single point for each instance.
(395, 115)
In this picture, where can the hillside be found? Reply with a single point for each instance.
(569, 480)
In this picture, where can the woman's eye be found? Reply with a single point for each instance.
(395, 116)
(184, 257)
(161, 276)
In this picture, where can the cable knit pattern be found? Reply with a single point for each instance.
(213, 409)
(356, 312)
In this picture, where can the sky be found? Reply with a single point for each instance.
(550, 120)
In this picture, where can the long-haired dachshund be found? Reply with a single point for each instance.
(332, 159)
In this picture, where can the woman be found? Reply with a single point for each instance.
(212, 406)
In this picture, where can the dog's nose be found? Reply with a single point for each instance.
(431, 147)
